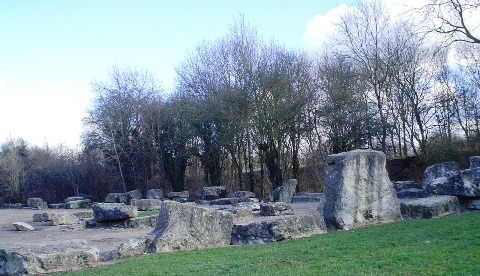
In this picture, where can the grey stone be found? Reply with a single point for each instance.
(113, 212)
(73, 198)
(283, 193)
(255, 206)
(429, 207)
(224, 201)
(412, 193)
(147, 204)
(42, 217)
(473, 204)
(402, 185)
(83, 214)
(62, 219)
(211, 193)
(155, 194)
(176, 195)
(308, 197)
(465, 183)
(22, 226)
(438, 170)
(239, 213)
(242, 194)
(42, 205)
(247, 199)
(181, 227)
(358, 191)
(276, 209)
(202, 202)
(47, 257)
(278, 229)
(134, 194)
(34, 201)
(117, 198)
(474, 162)
(141, 222)
(77, 204)
(57, 206)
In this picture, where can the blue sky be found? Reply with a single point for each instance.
(51, 51)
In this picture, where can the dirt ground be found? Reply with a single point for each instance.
(105, 239)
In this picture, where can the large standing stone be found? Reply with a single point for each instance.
(47, 257)
(181, 227)
(429, 207)
(155, 194)
(283, 193)
(22, 226)
(358, 191)
(211, 193)
(113, 212)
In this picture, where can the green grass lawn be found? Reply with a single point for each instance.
(446, 246)
(148, 213)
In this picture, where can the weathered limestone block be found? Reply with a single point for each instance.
(181, 227)
(47, 257)
(147, 204)
(255, 206)
(308, 197)
(429, 207)
(113, 212)
(358, 191)
(33, 202)
(134, 194)
(62, 219)
(155, 194)
(401, 185)
(83, 215)
(276, 209)
(178, 195)
(278, 229)
(224, 201)
(57, 206)
(141, 222)
(465, 183)
(42, 217)
(211, 193)
(438, 170)
(239, 213)
(242, 194)
(80, 203)
(73, 198)
(117, 198)
(283, 193)
(22, 226)
(412, 193)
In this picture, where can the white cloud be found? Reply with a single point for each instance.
(321, 27)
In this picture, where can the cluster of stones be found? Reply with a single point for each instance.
(358, 193)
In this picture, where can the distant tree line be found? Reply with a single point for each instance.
(249, 113)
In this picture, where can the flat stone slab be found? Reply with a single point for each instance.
(308, 197)
(429, 207)
(276, 209)
(47, 257)
(113, 212)
(22, 226)
(277, 229)
(412, 193)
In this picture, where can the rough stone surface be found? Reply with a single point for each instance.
(22, 226)
(276, 209)
(224, 201)
(358, 191)
(181, 227)
(113, 212)
(57, 206)
(141, 222)
(465, 183)
(177, 195)
(278, 229)
(308, 197)
(79, 203)
(402, 185)
(62, 219)
(429, 207)
(474, 162)
(255, 206)
(117, 198)
(134, 194)
(211, 193)
(412, 193)
(473, 204)
(438, 170)
(242, 194)
(73, 198)
(155, 194)
(147, 204)
(83, 214)
(47, 257)
(42, 217)
(283, 193)
(33, 202)
(239, 213)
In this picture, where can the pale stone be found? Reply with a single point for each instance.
(283, 193)
(242, 194)
(23, 226)
(113, 212)
(358, 191)
(147, 204)
(276, 209)
(62, 219)
(429, 207)
(42, 217)
(211, 193)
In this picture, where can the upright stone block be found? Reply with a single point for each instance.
(438, 170)
(358, 191)
(283, 193)
(155, 194)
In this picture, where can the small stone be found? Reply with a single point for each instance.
(23, 226)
